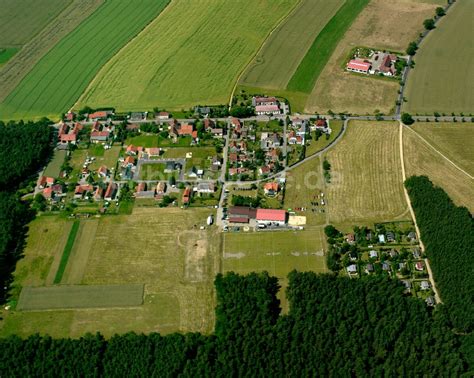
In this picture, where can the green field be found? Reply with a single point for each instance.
(443, 76)
(281, 54)
(324, 45)
(53, 169)
(20, 20)
(322, 142)
(162, 249)
(200, 155)
(102, 157)
(80, 296)
(6, 54)
(184, 52)
(67, 251)
(143, 141)
(59, 78)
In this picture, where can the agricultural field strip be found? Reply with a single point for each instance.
(67, 251)
(184, 30)
(271, 67)
(440, 153)
(80, 296)
(18, 67)
(324, 45)
(85, 45)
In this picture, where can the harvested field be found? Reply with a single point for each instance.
(80, 296)
(206, 35)
(160, 248)
(366, 184)
(88, 47)
(377, 26)
(12, 73)
(22, 20)
(442, 80)
(282, 53)
(454, 140)
(421, 159)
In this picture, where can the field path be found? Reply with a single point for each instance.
(422, 246)
(441, 154)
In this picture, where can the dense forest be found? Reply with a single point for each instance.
(25, 148)
(336, 326)
(448, 234)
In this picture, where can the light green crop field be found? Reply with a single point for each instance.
(6, 54)
(162, 249)
(20, 20)
(193, 53)
(454, 140)
(443, 76)
(80, 296)
(366, 184)
(281, 54)
(59, 78)
(324, 45)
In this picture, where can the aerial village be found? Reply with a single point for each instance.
(373, 62)
(106, 161)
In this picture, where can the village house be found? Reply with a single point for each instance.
(425, 285)
(208, 124)
(100, 136)
(142, 192)
(69, 135)
(217, 133)
(153, 151)
(98, 194)
(111, 191)
(205, 188)
(350, 238)
(163, 116)
(369, 268)
(82, 190)
(70, 116)
(352, 269)
(238, 171)
(259, 101)
(268, 110)
(216, 163)
(45, 181)
(133, 150)
(186, 196)
(373, 254)
(271, 188)
(383, 63)
(160, 190)
(133, 127)
(269, 140)
(129, 162)
(420, 266)
(265, 170)
(293, 138)
(103, 171)
(102, 115)
(172, 166)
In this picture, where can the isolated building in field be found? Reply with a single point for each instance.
(359, 66)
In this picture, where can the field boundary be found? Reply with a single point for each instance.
(440, 153)
(67, 251)
(281, 22)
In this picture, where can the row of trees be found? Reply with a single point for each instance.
(336, 326)
(25, 148)
(448, 234)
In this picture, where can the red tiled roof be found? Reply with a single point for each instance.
(68, 138)
(271, 215)
(267, 108)
(356, 64)
(99, 114)
(100, 134)
(271, 186)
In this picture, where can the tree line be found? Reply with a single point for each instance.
(335, 326)
(447, 232)
(25, 148)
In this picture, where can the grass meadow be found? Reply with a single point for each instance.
(323, 46)
(162, 249)
(442, 80)
(377, 26)
(366, 184)
(59, 78)
(21, 20)
(272, 68)
(184, 52)
(67, 251)
(6, 54)
(53, 169)
(421, 159)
